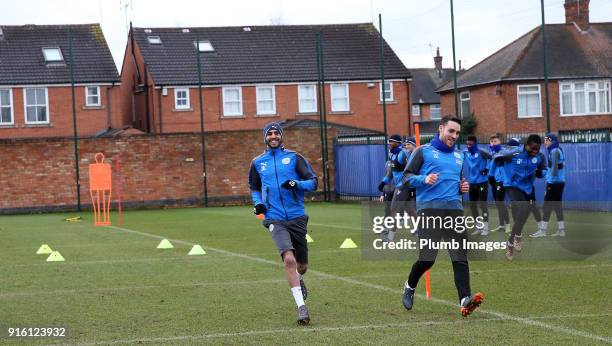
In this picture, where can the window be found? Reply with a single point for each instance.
(435, 111)
(584, 98)
(92, 96)
(388, 91)
(465, 104)
(340, 97)
(154, 39)
(181, 98)
(266, 103)
(52, 54)
(529, 104)
(36, 105)
(416, 110)
(307, 98)
(6, 107)
(205, 46)
(232, 101)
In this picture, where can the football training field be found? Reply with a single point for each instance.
(116, 287)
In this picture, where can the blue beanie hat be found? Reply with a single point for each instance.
(395, 138)
(514, 142)
(410, 140)
(272, 126)
(553, 137)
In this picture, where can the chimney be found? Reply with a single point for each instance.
(577, 11)
(438, 62)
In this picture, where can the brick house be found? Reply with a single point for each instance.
(426, 110)
(254, 75)
(505, 91)
(35, 83)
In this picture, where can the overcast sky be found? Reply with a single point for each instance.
(413, 28)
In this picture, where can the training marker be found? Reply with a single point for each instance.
(55, 256)
(348, 244)
(309, 238)
(165, 244)
(44, 249)
(196, 250)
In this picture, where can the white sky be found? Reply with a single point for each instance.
(413, 28)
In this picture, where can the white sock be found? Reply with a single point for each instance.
(561, 225)
(408, 286)
(462, 300)
(544, 226)
(391, 235)
(297, 295)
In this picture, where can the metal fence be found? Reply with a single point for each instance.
(359, 168)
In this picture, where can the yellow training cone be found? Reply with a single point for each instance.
(44, 249)
(309, 239)
(196, 250)
(55, 256)
(348, 244)
(165, 244)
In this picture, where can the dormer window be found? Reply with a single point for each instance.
(154, 39)
(205, 46)
(52, 54)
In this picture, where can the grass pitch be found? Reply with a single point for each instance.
(115, 287)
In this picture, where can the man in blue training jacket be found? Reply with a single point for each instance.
(555, 183)
(521, 166)
(477, 171)
(399, 160)
(435, 171)
(496, 180)
(278, 179)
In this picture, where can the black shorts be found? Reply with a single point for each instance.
(290, 235)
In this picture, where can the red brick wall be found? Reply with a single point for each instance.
(40, 173)
(90, 120)
(495, 107)
(366, 110)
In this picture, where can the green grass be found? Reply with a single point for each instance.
(116, 286)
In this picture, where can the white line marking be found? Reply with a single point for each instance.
(318, 329)
(500, 315)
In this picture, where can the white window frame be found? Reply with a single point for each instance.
(225, 112)
(418, 110)
(572, 91)
(390, 99)
(176, 98)
(154, 39)
(25, 106)
(59, 51)
(203, 46)
(258, 99)
(468, 99)
(439, 116)
(87, 104)
(518, 97)
(11, 106)
(348, 104)
(301, 97)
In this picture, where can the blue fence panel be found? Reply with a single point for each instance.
(360, 167)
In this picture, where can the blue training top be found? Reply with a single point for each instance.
(520, 168)
(398, 163)
(476, 165)
(445, 193)
(556, 167)
(269, 171)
